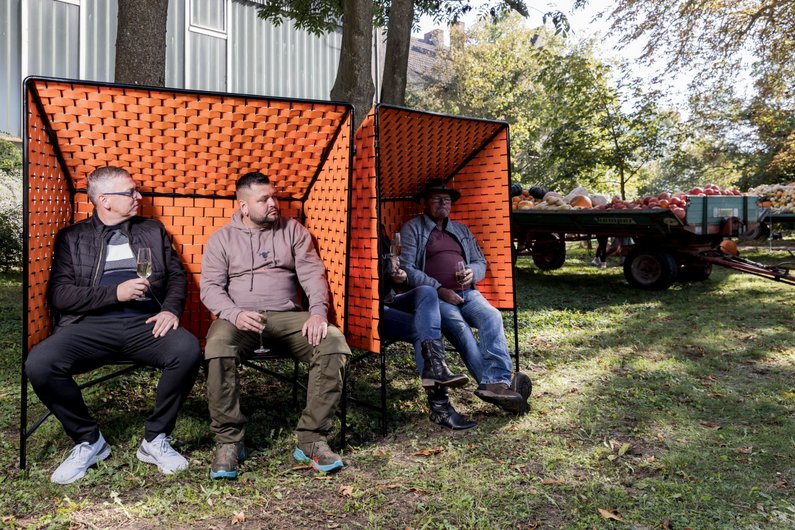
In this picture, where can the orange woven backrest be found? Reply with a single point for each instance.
(470, 155)
(363, 273)
(185, 150)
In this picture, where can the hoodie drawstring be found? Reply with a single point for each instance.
(251, 244)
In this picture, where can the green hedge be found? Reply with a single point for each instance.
(10, 206)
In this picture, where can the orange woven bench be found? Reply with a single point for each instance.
(185, 151)
(397, 151)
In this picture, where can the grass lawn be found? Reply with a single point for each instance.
(656, 410)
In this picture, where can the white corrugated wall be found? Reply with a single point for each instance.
(218, 45)
(279, 60)
(10, 64)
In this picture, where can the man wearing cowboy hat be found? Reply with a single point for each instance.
(432, 246)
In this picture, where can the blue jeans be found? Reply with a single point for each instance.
(414, 317)
(489, 362)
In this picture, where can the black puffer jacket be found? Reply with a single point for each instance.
(79, 260)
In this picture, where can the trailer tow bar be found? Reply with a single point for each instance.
(780, 272)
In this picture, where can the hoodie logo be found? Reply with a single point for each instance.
(265, 254)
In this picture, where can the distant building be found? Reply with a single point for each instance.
(214, 45)
(423, 55)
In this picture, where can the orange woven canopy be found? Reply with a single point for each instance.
(185, 150)
(398, 151)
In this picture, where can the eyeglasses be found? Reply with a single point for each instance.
(441, 200)
(129, 193)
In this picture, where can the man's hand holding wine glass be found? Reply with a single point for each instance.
(463, 274)
(132, 289)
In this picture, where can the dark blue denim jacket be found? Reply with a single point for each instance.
(414, 238)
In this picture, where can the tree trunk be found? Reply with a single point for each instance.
(141, 42)
(354, 83)
(398, 44)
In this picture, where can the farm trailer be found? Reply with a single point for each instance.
(665, 248)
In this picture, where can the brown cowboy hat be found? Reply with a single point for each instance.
(437, 185)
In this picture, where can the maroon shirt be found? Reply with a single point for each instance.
(442, 253)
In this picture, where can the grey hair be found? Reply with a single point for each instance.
(99, 177)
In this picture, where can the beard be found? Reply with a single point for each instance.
(265, 221)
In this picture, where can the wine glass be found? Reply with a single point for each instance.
(143, 266)
(263, 318)
(394, 246)
(460, 272)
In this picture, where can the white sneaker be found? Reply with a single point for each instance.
(603, 265)
(83, 456)
(596, 262)
(160, 453)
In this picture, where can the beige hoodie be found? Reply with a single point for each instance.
(262, 268)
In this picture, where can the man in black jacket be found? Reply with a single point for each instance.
(106, 313)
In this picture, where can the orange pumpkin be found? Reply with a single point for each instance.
(581, 200)
(727, 246)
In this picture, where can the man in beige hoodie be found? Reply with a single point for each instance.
(257, 264)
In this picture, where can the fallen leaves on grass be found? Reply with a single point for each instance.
(415, 489)
(346, 491)
(610, 514)
(745, 450)
(238, 518)
(621, 451)
(710, 424)
(430, 451)
(552, 482)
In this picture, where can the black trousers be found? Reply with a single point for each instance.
(94, 342)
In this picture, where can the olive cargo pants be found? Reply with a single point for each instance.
(227, 345)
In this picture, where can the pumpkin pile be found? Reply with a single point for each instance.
(712, 189)
(580, 199)
(780, 198)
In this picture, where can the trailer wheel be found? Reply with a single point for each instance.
(654, 270)
(549, 251)
(694, 273)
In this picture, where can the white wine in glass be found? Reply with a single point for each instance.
(143, 265)
(263, 319)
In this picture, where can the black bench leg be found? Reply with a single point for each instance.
(23, 421)
(383, 394)
(344, 407)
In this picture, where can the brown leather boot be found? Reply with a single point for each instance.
(443, 413)
(501, 395)
(435, 371)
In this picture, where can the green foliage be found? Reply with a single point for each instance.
(738, 56)
(10, 206)
(10, 157)
(569, 124)
(319, 17)
(315, 17)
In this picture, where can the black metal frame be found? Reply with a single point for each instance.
(29, 87)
